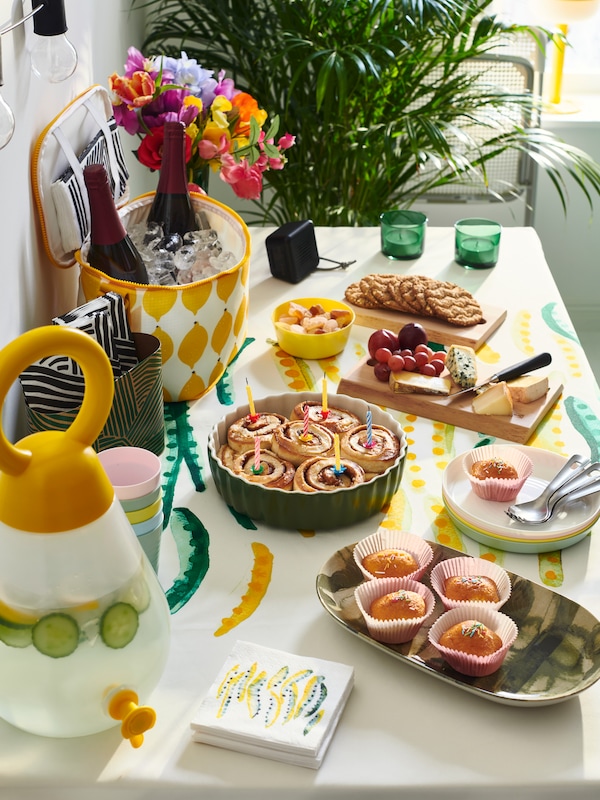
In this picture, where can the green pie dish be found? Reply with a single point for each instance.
(294, 510)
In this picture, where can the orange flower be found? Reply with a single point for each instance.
(136, 91)
(247, 107)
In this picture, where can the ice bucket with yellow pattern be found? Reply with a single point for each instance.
(202, 325)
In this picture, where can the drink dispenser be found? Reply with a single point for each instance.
(84, 623)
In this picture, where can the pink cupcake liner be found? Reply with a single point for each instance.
(391, 538)
(392, 631)
(500, 490)
(466, 565)
(474, 666)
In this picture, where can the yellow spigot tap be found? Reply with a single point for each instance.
(122, 704)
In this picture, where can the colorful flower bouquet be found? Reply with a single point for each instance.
(224, 125)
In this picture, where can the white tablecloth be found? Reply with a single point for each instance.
(402, 733)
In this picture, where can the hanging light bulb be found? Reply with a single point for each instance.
(53, 57)
(7, 119)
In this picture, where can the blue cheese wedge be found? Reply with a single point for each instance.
(461, 363)
(414, 382)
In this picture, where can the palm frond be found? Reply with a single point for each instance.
(378, 95)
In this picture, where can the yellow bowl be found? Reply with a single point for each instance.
(312, 345)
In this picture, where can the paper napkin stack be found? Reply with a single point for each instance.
(274, 704)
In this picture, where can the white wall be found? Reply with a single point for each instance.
(32, 290)
(572, 242)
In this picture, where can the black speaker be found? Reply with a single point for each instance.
(292, 251)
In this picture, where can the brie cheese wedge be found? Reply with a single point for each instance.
(528, 388)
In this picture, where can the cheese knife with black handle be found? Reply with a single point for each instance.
(510, 373)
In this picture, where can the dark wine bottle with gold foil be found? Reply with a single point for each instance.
(111, 250)
(172, 207)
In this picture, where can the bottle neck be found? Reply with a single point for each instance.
(173, 174)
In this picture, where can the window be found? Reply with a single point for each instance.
(583, 55)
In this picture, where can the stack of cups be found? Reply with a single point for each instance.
(135, 474)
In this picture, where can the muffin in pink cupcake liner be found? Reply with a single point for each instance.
(501, 490)
(392, 631)
(393, 539)
(473, 665)
(470, 569)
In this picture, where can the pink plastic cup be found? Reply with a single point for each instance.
(133, 471)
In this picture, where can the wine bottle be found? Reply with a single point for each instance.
(111, 250)
(172, 206)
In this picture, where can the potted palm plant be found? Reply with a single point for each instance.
(376, 94)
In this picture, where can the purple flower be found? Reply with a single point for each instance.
(225, 87)
(127, 119)
(169, 107)
(137, 62)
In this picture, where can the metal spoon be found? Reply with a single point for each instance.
(580, 487)
(568, 497)
(537, 510)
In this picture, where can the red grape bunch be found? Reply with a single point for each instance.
(407, 350)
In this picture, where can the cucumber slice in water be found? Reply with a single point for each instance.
(15, 636)
(118, 625)
(56, 635)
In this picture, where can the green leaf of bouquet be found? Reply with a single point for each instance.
(253, 156)
(271, 132)
(254, 131)
(271, 150)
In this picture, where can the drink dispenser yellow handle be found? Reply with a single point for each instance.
(53, 481)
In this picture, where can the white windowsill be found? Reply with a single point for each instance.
(584, 93)
(588, 113)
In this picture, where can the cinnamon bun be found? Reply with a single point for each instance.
(289, 442)
(384, 452)
(275, 472)
(226, 455)
(320, 475)
(242, 432)
(337, 420)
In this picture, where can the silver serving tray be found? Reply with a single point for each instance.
(555, 656)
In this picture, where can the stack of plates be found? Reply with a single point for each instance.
(488, 523)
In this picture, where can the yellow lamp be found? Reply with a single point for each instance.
(568, 11)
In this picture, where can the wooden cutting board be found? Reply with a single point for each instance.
(361, 382)
(437, 330)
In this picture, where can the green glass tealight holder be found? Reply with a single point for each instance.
(477, 243)
(402, 234)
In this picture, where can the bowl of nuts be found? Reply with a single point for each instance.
(313, 327)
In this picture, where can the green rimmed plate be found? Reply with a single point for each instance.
(515, 545)
(487, 521)
(554, 658)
